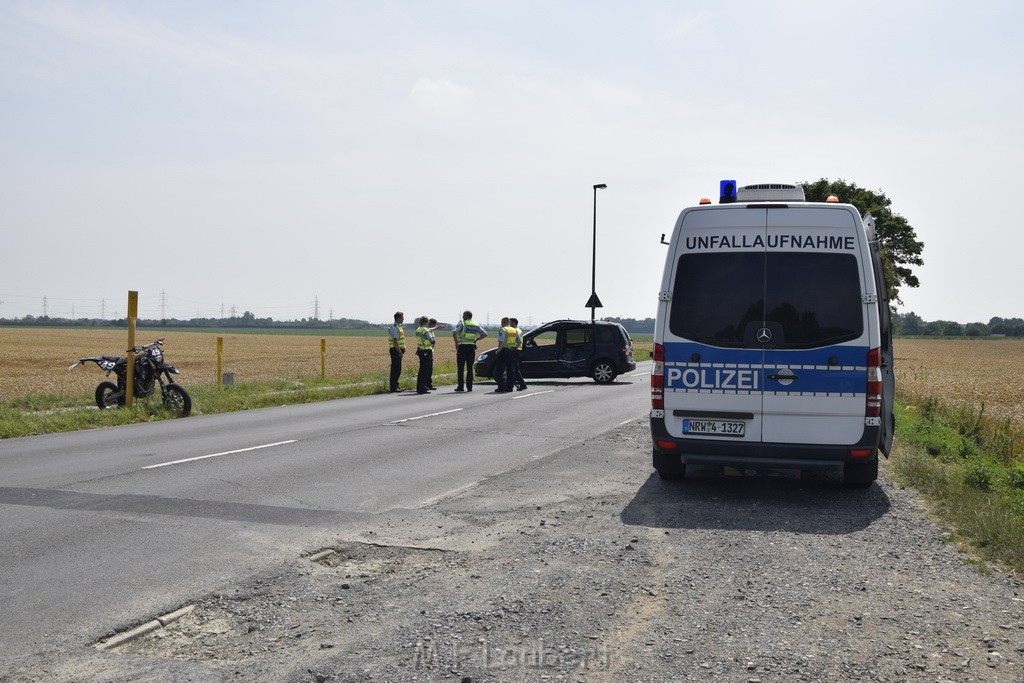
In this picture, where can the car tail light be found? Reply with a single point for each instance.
(658, 378)
(873, 407)
(861, 453)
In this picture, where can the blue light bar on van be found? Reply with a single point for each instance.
(726, 191)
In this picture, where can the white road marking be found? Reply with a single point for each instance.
(420, 417)
(533, 393)
(216, 455)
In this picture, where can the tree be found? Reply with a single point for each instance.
(909, 324)
(899, 244)
(944, 328)
(1005, 326)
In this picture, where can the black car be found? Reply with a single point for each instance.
(570, 348)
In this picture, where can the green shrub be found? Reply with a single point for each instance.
(929, 408)
(1003, 442)
(1015, 477)
(966, 420)
(978, 475)
(971, 468)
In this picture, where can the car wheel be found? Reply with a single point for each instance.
(603, 372)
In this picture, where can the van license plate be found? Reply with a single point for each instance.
(714, 427)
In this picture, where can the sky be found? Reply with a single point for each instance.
(349, 159)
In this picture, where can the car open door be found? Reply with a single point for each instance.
(539, 357)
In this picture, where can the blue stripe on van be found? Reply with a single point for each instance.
(829, 371)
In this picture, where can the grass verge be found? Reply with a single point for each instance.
(969, 470)
(50, 414)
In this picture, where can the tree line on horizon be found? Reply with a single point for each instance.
(912, 325)
(247, 319)
(903, 324)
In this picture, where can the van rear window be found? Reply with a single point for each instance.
(807, 299)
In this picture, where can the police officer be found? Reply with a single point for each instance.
(425, 351)
(396, 347)
(466, 334)
(504, 367)
(431, 326)
(517, 356)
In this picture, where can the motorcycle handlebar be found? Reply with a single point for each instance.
(136, 349)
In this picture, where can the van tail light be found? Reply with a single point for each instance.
(873, 407)
(658, 378)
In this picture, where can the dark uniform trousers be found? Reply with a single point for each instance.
(396, 368)
(423, 377)
(465, 354)
(518, 373)
(505, 370)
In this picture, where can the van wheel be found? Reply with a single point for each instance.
(860, 475)
(603, 372)
(668, 466)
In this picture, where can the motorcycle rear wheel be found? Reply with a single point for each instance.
(177, 401)
(105, 399)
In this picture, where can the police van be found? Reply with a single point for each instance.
(773, 344)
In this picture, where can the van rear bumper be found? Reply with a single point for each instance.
(747, 454)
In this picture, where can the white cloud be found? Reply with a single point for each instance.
(357, 133)
(443, 101)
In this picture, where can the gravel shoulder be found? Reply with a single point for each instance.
(585, 566)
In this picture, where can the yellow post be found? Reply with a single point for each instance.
(133, 313)
(220, 360)
(323, 358)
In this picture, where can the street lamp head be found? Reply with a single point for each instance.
(600, 187)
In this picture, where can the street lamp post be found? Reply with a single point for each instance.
(594, 302)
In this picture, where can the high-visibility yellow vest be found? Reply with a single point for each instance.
(511, 337)
(398, 340)
(469, 332)
(423, 339)
(519, 339)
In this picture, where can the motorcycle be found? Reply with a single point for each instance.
(150, 369)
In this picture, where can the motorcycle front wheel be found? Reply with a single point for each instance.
(177, 401)
(105, 399)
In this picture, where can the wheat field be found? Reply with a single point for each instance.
(35, 361)
(964, 372)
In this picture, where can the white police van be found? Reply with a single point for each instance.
(772, 346)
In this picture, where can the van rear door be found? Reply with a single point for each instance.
(816, 331)
(885, 337)
(713, 362)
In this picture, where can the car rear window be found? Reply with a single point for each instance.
(807, 298)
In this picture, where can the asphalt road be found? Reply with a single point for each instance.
(107, 528)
